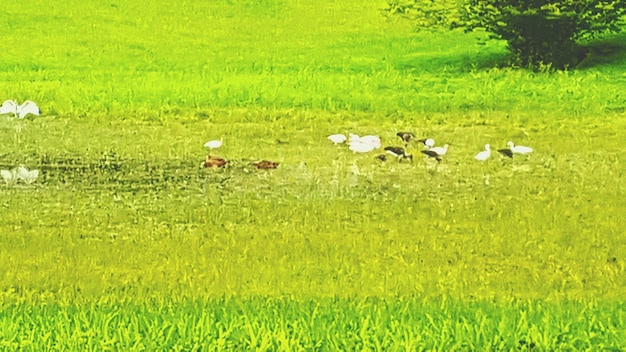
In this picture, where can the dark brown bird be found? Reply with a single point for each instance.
(399, 153)
(266, 164)
(406, 136)
(506, 152)
(214, 162)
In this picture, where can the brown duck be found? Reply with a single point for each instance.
(214, 162)
(266, 164)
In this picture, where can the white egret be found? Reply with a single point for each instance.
(361, 147)
(337, 138)
(19, 111)
(373, 140)
(428, 142)
(9, 176)
(519, 149)
(214, 144)
(354, 137)
(28, 176)
(485, 154)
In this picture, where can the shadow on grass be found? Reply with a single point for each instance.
(606, 51)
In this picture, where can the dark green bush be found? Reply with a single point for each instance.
(539, 33)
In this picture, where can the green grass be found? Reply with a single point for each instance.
(126, 243)
(321, 325)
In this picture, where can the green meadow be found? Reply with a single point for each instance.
(125, 242)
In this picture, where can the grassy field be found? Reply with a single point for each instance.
(126, 242)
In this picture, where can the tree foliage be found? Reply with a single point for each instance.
(538, 32)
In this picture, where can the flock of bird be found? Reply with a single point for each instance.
(356, 143)
(366, 144)
(19, 111)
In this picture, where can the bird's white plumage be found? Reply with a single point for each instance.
(20, 111)
(354, 137)
(28, 176)
(361, 147)
(429, 143)
(440, 150)
(363, 144)
(8, 176)
(8, 107)
(519, 149)
(337, 138)
(214, 144)
(373, 140)
(485, 154)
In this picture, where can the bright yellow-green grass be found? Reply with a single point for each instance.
(125, 242)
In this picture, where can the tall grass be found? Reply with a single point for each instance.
(322, 325)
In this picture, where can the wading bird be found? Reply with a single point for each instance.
(373, 140)
(9, 176)
(427, 142)
(519, 149)
(337, 138)
(28, 176)
(19, 111)
(406, 136)
(436, 152)
(485, 154)
(399, 153)
(214, 144)
(506, 152)
(361, 147)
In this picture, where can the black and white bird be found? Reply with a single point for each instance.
(519, 149)
(436, 152)
(506, 152)
(19, 111)
(399, 153)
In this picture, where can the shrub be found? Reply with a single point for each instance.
(539, 33)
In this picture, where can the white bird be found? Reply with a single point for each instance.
(214, 144)
(373, 140)
(26, 175)
(485, 154)
(9, 176)
(20, 111)
(354, 137)
(337, 138)
(519, 149)
(361, 147)
(428, 142)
